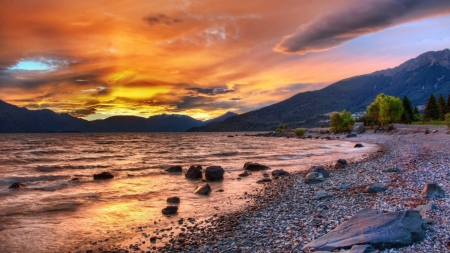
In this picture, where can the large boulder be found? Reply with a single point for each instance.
(319, 169)
(358, 127)
(314, 178)
(214, 173)
(381, 230)
(169, 210)
(194, 172)
(174, 169)
(255, 166)
(16, 185)
(103, 175)
(203, 189)
(432, 191)
(340, 164)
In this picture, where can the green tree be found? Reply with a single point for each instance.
(281, 128)
(408, 112)
(416, 111)
(341, 122)
(442, 107)
(385, 109)
(431, 109)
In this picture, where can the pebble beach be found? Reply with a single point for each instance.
(286, 214)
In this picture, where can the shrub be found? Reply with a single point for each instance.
(281, 128)
(447, 120)
(299, 132)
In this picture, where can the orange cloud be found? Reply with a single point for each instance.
(200, 58)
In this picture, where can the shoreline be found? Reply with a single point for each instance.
(283, 215)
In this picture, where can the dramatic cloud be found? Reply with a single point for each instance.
(199, 58)
(357, 19)
(211, 91)
(161, 19)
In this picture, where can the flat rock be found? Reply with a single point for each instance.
(203, 189)
(432, 191)
(319, 169)
(320, 195)
(174, 169)
(103, 175)
(375, 188)
(169, 210)
(277, 173)
(214, 173)
(314, 178)
(397, 170)
(354, 249)
(380, 230)
(194, 172)
(173, 200)
(16, 185)
(255, 166)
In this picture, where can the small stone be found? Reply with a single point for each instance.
(320, 195)
(358, 145)
(375, 188)
(169, 210)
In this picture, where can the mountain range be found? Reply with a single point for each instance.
(416, 78)
(14, 119)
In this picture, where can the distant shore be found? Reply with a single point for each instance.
(284, 216)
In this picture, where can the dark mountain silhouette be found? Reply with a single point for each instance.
(416, 78)
(209, 124)
(14, 119)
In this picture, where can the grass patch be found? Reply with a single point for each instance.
(432, 123)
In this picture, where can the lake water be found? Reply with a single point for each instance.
(53, 214)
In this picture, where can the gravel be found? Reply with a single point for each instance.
(284, 214)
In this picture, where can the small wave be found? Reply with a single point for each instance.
(132, 169)
(47, 152)
(25, 180)
(226, 154)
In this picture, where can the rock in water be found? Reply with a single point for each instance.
(432, 191)
(203, 189)
(173, 200)
(340, 164)
(358, 145)
(255, 166)
(214, 173)
(174, 169)
(16, 186)
(314, 178)
(381, 230)
(244, 174)
(277, 173)
(194, 172)
(319, 169)
(169, 210)
(103, 175)
(375, 188)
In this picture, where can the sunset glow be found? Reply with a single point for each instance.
(95, 59)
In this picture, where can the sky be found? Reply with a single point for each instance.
(99, 58)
